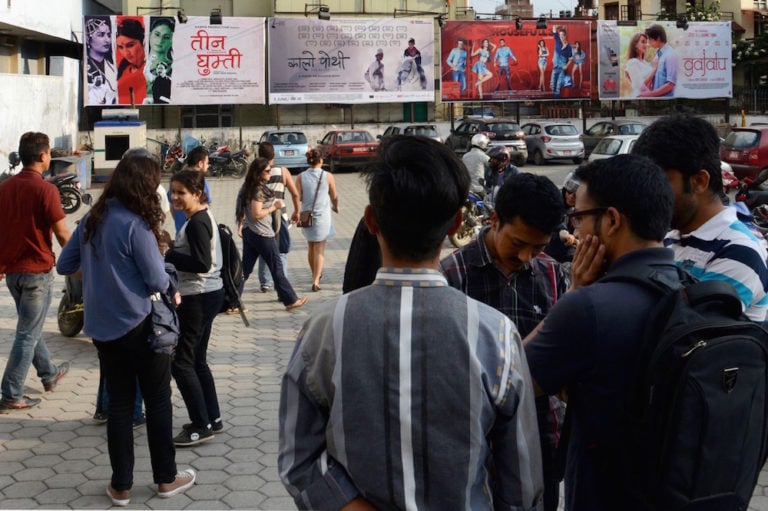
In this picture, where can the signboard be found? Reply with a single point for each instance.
(156, 60)
(657, 60)
(496, 61)
(389, 60)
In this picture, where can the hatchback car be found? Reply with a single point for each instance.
(347, 148)
(552, 140)
(290, 146)
(613, 145)
(746, 150)
(503, 132)
(603, 129)
(423, 130)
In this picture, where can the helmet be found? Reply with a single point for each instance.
(571, 183)
(500, 153)
(480, 140)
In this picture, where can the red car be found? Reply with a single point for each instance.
(746, 151)
(347, 148)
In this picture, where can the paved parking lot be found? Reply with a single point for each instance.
(53, 456)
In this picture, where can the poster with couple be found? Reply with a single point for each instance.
(155, 60)
(657, 60)
(497, 61)
(350, 61)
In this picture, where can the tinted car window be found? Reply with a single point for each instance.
(741, 139)
(608, 146)
(561, 129)
(424, 131)
(631, 129)
(502, 127)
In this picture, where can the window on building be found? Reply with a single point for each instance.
(207, 116)
(612, 11)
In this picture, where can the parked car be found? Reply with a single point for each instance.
(478, 112)
(613, 145)
(603, 129)
(503, 132)
(424, 130)
(553, 140)
(347, 148)
(746, 150)
(291, 148)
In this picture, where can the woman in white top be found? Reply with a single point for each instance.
(637, 70)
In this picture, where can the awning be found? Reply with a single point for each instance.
(736, 28)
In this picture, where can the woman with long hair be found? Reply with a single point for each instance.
(638, 71)
(543, 54)
(130, 67)
(480, 68)
(579, 56)
(100, 69)
(255, 204)
(160, 58)
(116, 247)
(197, 256)
(317, 190)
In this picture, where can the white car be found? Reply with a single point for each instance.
(613, 145)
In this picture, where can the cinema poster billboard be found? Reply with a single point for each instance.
(497, 61)
(348, 61)
(658, 60)
(155, 60)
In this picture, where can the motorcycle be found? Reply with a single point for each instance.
(13, 162)
(223, 162)
(70, 313)
(474, 214)
(174, 159)
(66, 182)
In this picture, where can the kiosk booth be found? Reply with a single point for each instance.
(119, 130)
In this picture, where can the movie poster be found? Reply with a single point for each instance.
(657, 60)
(155, 60)
(388, 60)
(496, 61)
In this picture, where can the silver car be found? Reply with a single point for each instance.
(553, 140)
(291, 148)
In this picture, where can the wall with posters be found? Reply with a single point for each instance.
(496, 61)
(351, 61)
(156, 60)
(636, 63)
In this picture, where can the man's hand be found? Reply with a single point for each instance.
(588, 262)
(358, 504)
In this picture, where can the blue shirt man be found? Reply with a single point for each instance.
(562, 59)
(665, 78)
(457, 60)
(501, 59)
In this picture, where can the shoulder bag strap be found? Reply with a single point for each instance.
(317, 190)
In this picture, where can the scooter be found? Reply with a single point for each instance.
(69, 191)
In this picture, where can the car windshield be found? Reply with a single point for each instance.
(424, 131)
(609, 146)
(741, 139)
(503, 127)
(561, 129)
(631, 129)
(293, 137)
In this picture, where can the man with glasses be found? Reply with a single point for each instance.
(708, 239)
(586, 343)
(506, 269)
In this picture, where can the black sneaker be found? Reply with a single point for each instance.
(216, 426)
(192, 436)
(100, 418)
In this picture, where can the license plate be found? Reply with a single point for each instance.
(359, 149)
(290, 152)
(733, 155)
(567, 151)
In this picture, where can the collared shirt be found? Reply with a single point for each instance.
(502, 56)
(562, 53)
(457, 59)
(525, 296)
(425, 403)
(29, 206)
(666, 71)
(723, 248)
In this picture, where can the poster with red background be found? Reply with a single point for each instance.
(528, 75)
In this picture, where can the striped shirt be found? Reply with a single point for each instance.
(412, 395)
(725, 249)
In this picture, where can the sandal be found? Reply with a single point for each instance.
(298, 303)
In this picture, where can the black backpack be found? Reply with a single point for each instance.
(231, 272)
(697, 408)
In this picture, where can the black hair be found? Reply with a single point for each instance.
(31, 144)
(535, 199)
(636, 187)
(193, 181)
(685, 143)
(415, 187)
(196, 155)
(656, 31)
(267, 150)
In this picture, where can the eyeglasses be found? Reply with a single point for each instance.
(576, 217)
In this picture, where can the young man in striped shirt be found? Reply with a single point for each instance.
(708, 239)
(407, 394)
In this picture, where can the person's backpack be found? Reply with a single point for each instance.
(231, 272)
(697, 408)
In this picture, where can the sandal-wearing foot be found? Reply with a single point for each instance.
(183, 481)
(119, 497)
(298, 303)
(316, 287)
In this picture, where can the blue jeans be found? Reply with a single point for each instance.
(255, 246)
(504, 73)
(557, 79)
(265, 279)
(32, 293)
(284, 246)
(461, 77)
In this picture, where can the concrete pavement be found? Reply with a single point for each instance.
(54, 456)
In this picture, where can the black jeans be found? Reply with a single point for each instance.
(255, 246)
(190, 367)
(125, 361)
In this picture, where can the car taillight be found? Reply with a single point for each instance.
(545, 138)
(753, 155)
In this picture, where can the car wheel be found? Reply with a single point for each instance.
(520, 161)
(538, 158)
(578, 160)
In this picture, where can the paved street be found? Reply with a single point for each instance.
(54, 456)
